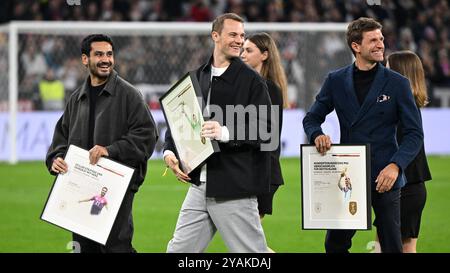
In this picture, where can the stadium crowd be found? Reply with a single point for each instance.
(421, 26)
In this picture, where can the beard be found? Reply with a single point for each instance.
(94, 69)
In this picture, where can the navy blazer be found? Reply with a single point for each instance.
(388, 102)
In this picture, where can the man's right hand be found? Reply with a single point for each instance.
(173, 164)
(59, 165)
(323, 143)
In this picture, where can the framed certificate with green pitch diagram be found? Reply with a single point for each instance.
(184, 117)
(336, 187)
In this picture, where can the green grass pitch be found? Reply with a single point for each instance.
(24, 189)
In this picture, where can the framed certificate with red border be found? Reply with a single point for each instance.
(336, 189)
(87, 198)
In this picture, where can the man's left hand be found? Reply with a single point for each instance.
(96, 152)
(387, 178)
(212, 129)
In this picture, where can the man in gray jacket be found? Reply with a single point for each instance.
(108, 117)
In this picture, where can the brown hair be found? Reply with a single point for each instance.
(272, 68)
(356, 29)
(218, 22)
(409, 65)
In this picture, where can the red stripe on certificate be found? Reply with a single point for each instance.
(114, 172)
(346, 155)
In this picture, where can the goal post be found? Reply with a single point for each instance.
(151, 55)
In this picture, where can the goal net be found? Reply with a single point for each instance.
(151, 56)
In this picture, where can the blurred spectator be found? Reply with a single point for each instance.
(421, 26)
(407, 40)
(106, 10)
(54, 52)
(51, 92)
(33, 61)
(311, 14)
(442, 67)
(20, 11)
(157, 12)
(253, 12)
(138, 9)
(274, 11)
(92, 12)
(55, 10)
(35, 11)
(200, 12)
(71, 74)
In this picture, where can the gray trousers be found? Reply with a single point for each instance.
(237, 221)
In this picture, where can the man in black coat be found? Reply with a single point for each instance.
(224, 189)
(108, 117)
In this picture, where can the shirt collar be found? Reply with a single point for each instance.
(232, 71)
(109, 86)
(373, 70)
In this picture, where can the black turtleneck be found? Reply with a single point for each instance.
(94, 91)
(362, 81)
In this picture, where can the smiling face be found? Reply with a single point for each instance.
(229, 41)
(252, 56)
(104, 191)
(100, 61)
(371, 49)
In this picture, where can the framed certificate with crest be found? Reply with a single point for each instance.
(336, 189)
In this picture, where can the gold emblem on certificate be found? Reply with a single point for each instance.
(317, 207)
(352, 207)
(63, 205)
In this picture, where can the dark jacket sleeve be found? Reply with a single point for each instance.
(277, 100)
(138, 144)
(60, 141)
(418, 170)
(318, 111)
(411, 125)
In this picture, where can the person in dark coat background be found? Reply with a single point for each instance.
(261, 53)
(414, 193)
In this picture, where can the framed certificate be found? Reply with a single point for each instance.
(87, 198)
(336, 189)
(181, 108)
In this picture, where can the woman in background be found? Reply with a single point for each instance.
(414, 193)
(261, 53)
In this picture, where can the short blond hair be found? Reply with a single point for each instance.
(217, 25)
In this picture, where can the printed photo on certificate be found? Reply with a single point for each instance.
(87, 198)
(184, 117)
(336, 187)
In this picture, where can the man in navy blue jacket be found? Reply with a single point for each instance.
(370, 100)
